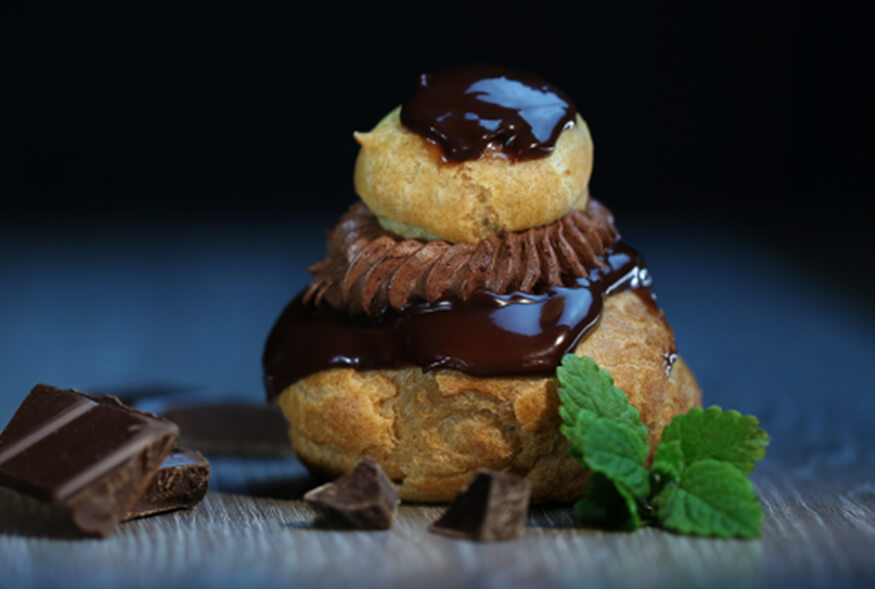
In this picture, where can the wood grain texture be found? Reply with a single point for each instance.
(185, 312)
(253, 530)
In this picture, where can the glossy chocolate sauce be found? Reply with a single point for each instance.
(486, 335)
(470, 109)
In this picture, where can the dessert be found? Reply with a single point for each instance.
(476, 259)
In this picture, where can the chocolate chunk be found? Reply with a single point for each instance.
(182, 481)
(494, 506)
(92, 457)
(232, 429)
(364, 498)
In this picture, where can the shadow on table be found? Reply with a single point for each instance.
(291, 489)
(267, 478)
(553, 516)
(24, 516)
(326, 526)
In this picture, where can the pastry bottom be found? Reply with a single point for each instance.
(430, 431)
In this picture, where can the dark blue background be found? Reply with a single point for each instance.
(167, 174)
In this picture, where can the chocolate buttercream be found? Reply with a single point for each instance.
(369, 269)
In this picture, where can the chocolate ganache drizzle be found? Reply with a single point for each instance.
(487, 334)
(470, 109)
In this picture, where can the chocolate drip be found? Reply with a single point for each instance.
(470, 109)
(368, 269)
(486, 335)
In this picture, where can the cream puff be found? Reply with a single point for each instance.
(475, 260)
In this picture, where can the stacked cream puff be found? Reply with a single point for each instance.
(474, 206)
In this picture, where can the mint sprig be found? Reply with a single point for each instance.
(616, 452)
(712, 498)
(726, 436)
(607, 507)
(583, 385)
(696, 484)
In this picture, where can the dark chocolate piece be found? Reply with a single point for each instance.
(364, 498)
(232, 429)
(182, 481)
(486, 335)
(469, 109)
(494, 506)
(91, 456)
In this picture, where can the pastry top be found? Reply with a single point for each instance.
(421, 185)
(368, 269)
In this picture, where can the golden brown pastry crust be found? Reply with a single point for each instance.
(401, 177)
(431, 431)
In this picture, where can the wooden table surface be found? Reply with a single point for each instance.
(816, 533)
(97, 311)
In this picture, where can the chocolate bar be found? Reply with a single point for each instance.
(494, 506)
(363, 498)
(92, 457)
(181, 482)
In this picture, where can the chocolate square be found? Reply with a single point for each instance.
(363, 498)
(92, 457)
(181, 482)
(494, 506)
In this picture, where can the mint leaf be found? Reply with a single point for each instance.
(713, 498)
(615, 450)
(697, 483)
(607, 437)
(668, 461)
(583, 385)
(604, 505)
(630, 518)
(727, 436)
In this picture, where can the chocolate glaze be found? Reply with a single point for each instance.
(469, 109)
(486, 335)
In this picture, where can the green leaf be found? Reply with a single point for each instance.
(593, 513)
(615, 450)
(583, 385)
(727, 436)
(630, 518)
(698, 469)
(604, 505)
(668, 461)
(713, 498)
(607, 437)
(574, 449)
